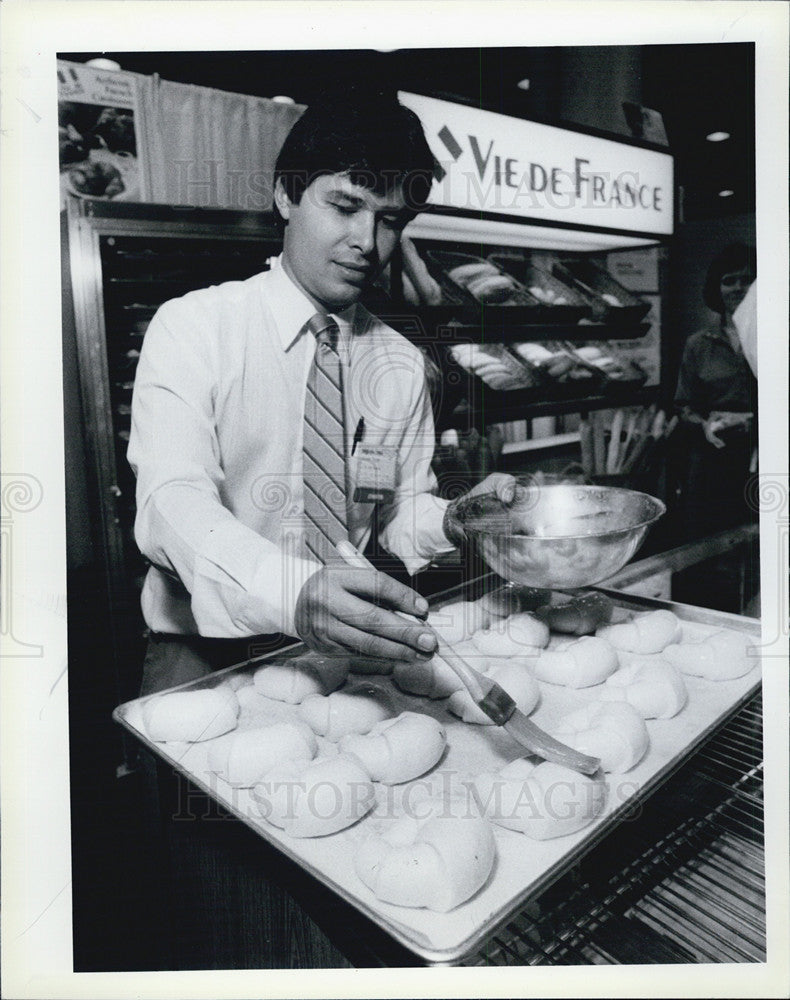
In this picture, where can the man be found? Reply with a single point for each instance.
(221, 426)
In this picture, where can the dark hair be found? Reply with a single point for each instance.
(735, 257)
(368, 134)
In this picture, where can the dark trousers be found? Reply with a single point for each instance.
(171, 660)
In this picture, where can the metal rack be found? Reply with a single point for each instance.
(684, 881)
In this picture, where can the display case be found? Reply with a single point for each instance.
(126, 259)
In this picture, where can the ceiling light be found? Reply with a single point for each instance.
(726, 193)
(523, 84)
(717, 136)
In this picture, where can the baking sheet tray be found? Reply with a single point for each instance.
(523, 867)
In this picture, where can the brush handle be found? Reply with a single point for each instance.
(486, 694)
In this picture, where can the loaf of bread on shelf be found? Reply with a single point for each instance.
(191, 716)
(580, 616)
(612, 731)
(539, 798)
(398, 749)
(581, 663)
(653, 686)
(356, 709)
(243, 758)
(513, 677)
(650, 632)
(436, 856)
(722, 656)
(314, 798)
(293, 680)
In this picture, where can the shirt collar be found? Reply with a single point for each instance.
(292, 309)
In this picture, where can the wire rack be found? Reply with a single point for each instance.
(682, 880)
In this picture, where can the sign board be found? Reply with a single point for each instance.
(525, 170)
(99, 133)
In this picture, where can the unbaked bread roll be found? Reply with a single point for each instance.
(398, 749)
(722, 656)
(581, 616)
(514, 678)
(519, 635)
(243, 758)
(650, 632)
(433, 679)
(293, 680)
(435, 857)
(653, 686)
(314, 798)
(612, 731)
(355, 710)
(583, 663)
(191, 716)
(539, 798)
(456, 622)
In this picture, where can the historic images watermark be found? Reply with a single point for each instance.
(21, 494)
(568, 801)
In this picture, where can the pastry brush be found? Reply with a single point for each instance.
(490, 697)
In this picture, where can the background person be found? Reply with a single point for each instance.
(717, 399)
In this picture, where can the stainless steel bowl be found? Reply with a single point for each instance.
(559, 536)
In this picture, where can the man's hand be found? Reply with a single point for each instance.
(500, 484)
(345, 610)
(709, 429)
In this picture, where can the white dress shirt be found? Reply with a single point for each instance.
(216, 445)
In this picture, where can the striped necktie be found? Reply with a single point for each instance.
(323, 449)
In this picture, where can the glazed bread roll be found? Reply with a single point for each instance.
(456, 622)
(506, 601)
(650, 632)
(514, 678)
(243, 758)
(581, 616)
(581, 663)
(722, 656)
(614, 732)
(314, 798)
(355, 710)
(433, 679)
(398, 749)
(293, 680)
(653, 686)
(191, 716)
(435, 857)
(519, 635)
(539, 798)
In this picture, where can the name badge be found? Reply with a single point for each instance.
(375, 474)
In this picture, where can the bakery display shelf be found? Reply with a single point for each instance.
(494, 407)
(520, 875)
(511, 324)
(683, 882)
(502, 327)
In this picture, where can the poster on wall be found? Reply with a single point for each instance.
(99, 131)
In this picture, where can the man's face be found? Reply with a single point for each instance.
(339, 237)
